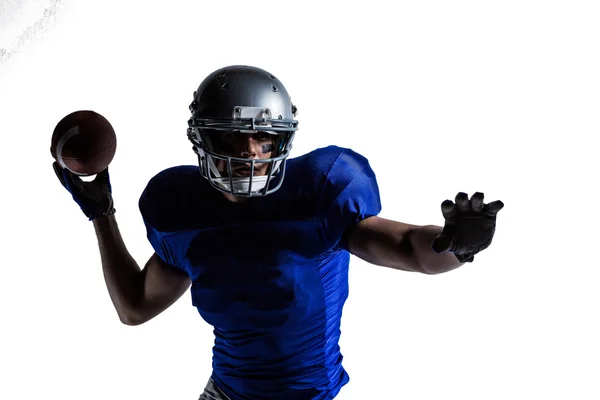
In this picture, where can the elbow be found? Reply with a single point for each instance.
(131, 322)
(131, 318)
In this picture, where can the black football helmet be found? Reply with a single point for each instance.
(242, 99)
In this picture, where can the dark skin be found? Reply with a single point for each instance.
(398, 245)
(141, 294)
(138, 295)
(258, 145)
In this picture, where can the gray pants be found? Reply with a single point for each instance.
(212, 392)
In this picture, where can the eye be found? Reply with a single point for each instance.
(262, 136)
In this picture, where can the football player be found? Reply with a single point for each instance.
(264, 240)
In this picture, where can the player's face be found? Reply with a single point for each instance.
(258, 145)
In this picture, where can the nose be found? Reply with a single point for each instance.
(248, 146)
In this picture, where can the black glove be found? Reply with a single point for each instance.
(94, 198)
(469, 227)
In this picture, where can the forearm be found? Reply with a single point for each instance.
(430, 262)
(122, 274)
(401, 246)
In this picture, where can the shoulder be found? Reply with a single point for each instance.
(168, 184)
(331, 161)
(171, 195)
(327, 173)
(346, 191)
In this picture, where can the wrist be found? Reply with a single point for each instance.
(104, 214)
(104, 223)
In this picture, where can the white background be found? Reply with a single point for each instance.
(442, 97)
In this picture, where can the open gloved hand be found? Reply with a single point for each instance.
(470, 226)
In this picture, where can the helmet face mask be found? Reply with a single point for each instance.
(234, 105)
(242, 176)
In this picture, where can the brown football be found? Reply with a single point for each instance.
(84, 142)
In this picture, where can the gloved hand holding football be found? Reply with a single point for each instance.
(84, 144)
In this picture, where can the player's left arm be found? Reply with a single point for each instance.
(469, 228)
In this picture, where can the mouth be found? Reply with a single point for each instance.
(243, 171)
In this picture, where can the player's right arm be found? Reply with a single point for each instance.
(137, 294)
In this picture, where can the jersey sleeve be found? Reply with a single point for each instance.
(152, 211)
(161, 246)
(350, 194)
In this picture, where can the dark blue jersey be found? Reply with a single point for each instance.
(269, 274)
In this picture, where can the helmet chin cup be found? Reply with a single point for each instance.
(242, 185)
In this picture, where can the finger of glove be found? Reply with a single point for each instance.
(493, 207)
(477, 202)
(59, 173)
(69, 180)
(442, 242)
(73, 183)
(449, 210)
(102, 177)
(462, 203)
